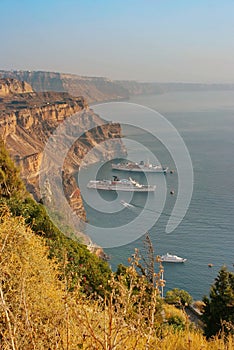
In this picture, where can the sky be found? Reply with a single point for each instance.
(143, 40)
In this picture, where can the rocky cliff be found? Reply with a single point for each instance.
(28, 119)
(13, 86)
(99, 89)
(93, 89)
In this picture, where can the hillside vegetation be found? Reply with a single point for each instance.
(80, 263)
(54, 294)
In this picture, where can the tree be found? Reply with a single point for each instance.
(218, 314)
(10, 182)
(178, 297)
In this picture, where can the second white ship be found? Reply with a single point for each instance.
(140, 167)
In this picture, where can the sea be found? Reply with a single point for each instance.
(205, 235)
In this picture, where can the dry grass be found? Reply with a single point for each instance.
(37, 312)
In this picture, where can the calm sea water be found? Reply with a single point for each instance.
(205, 120)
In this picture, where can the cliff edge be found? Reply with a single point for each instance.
(28, 119)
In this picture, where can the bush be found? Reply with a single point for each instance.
(178, 297)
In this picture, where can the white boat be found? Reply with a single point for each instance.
(139, 167)
(172, 258)
(116, 184)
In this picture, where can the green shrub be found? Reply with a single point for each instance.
(178, 297)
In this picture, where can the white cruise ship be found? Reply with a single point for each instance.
(117, 184)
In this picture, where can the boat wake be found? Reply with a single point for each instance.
(127, 205)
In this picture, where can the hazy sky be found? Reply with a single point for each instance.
(146, 40)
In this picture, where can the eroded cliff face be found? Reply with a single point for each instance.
(27, 120)
(13, 86)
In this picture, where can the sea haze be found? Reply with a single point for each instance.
(205, 120)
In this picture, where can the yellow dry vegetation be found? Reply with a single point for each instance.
(37, 312)
(31, 295)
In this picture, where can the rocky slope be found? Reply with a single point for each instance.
(28, 119)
